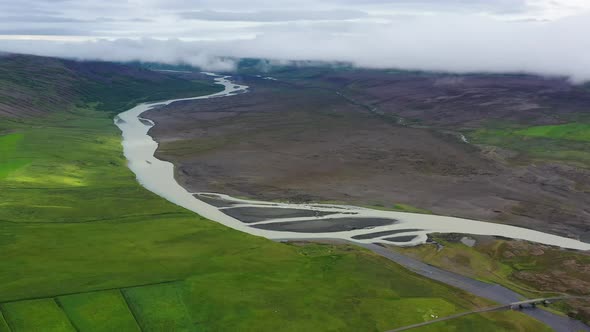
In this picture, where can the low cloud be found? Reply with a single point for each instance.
(272, 15)
(442, 43)
(38, 19)
(124, 50)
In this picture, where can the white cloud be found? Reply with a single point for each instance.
(449, 35)
(273, 15)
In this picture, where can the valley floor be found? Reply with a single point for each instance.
(309, 140)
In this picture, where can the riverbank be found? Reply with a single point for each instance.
(297, 140)
(344, 222)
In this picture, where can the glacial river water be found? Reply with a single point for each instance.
(357, 224)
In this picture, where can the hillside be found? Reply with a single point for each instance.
(31, 86)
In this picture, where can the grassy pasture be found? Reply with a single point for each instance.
(167, 307)
(160, 307)
(3, 325)
(36, 315)
(567, 142)
(504, 322)
(99, 311)
(9, 144)
(570, 131)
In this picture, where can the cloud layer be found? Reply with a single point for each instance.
(536, 36)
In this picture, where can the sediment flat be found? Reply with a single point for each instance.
(384, 233)
(400, 239)
(217, 202)
(256, 214)
(326, 225)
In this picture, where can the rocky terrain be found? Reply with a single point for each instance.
(380, 139)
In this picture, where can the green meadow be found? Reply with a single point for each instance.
(567, 142)
(8, 146)
(101, 311)
(84, 247)
(570, 131)
(36, 315)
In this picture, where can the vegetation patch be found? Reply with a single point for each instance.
(9, 144)
(568, 142)
(104, 311)
(36, 315)
(123, 92)
(409, 208)
(507, 321)
(3, 325)
(160, 307)
(570, 131)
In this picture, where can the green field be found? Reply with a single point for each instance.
(36, 315)
(568, 142)
(160, 307)
(3, 325)
(570, 131)
(99, 311)
(8, 145)
(85, 246)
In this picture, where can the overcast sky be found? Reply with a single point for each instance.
(538, 36)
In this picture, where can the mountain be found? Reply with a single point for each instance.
(32, 86)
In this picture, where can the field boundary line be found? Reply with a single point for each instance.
(89, 291)
(130, 307)
(2, 312)
(61, 307)
(4, 317)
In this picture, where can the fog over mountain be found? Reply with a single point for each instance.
(537, 36)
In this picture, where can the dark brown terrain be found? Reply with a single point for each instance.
(33, 86)
(380, 139)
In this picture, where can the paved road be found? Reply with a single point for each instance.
(442, 319)
(492, 292)
(488, 309)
